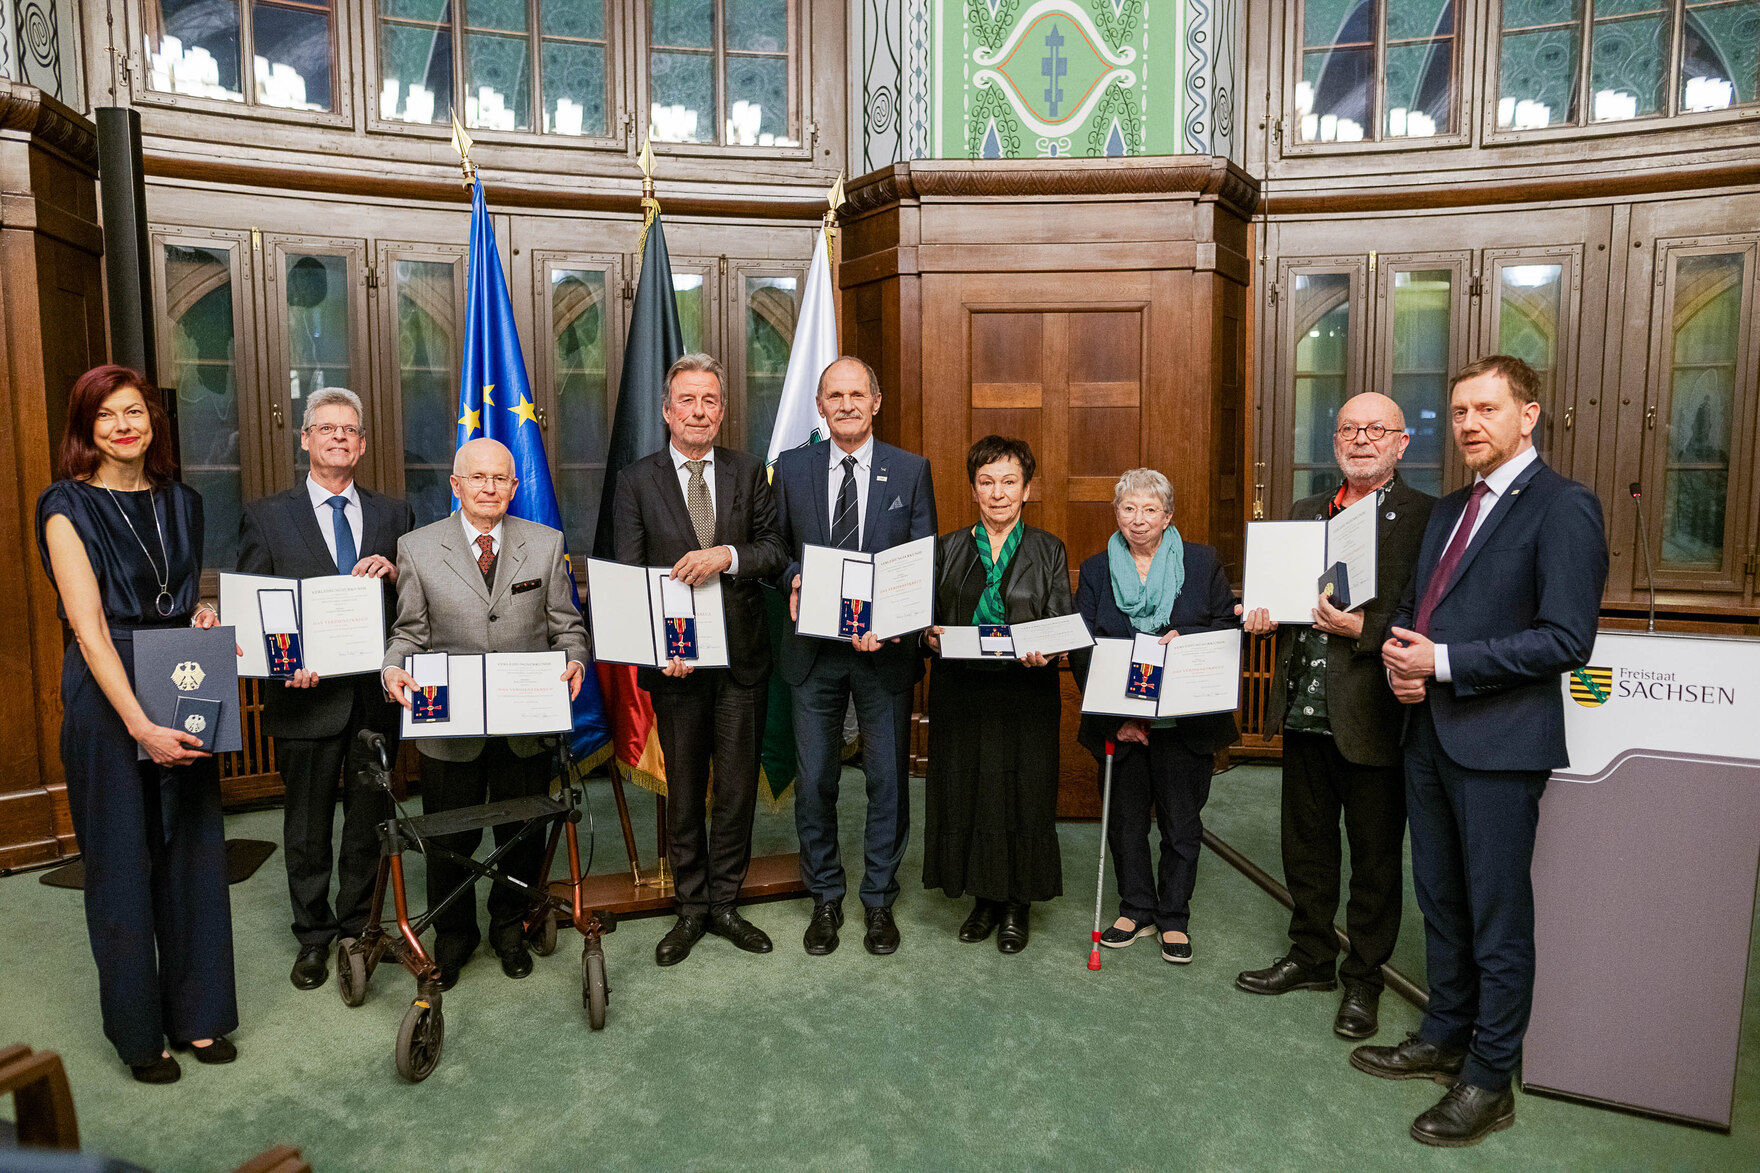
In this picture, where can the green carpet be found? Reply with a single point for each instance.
(944, 1056)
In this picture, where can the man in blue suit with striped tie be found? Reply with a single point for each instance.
(1505, 599)
(853, 492)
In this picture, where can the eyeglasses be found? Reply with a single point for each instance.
(478, 480)
(325, 431)
(1347, 433)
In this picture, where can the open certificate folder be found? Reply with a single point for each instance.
(502, 694)
(1199, 674)
(846, 592)
(1289, 563)
(1048, 637)
(333, 625)
(642, 615)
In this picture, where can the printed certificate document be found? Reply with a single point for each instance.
(335, 623)
(901, 582)
(635, 613)
(1200, 674)
(1287, 560)
(502, 694)
(1048, 637)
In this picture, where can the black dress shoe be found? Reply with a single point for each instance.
(1286, 974)
(311, 967)
(220, 1050)
(742, 932)
(675, 946)
(1416, 1058)
(517, 962)
(164, 1069)
(1465, 1115)
(450, 957)
(882, 935)
(821, 935)
(981, 923)
(1011, 937)
(1359, 1012)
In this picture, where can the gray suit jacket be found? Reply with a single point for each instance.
(443, 606)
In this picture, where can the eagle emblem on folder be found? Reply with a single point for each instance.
(188, 676)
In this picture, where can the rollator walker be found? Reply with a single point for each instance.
(423, 1030)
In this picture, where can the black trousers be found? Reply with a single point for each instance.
(157, 909)
(496, 774)
(1319, 784)
(1472, 856)
(1176, 782)
(310, 770)
(711, 720)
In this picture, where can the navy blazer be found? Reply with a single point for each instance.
(279, 535)
(901, 508)
(1205, 603)
(1522, 609)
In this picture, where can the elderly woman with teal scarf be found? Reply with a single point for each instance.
(1150, 581)
(991, 829)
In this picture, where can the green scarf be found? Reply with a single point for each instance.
(1147, 602)
(990, 605)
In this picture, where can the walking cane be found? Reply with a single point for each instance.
(1100, 885)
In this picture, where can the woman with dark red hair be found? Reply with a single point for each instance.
(123, 543)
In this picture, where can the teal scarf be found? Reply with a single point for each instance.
(990, 605)
(1147, 602)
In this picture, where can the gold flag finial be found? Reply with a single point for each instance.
(834, 198)
(650, 205)
(462, 142)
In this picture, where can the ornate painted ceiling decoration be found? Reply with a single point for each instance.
(1054, 67)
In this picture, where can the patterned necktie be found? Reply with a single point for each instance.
(843, 519)
(486, 560)
(345, 551)
(1451, 559)
(696, 500)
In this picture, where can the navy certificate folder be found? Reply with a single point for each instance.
(193, 663)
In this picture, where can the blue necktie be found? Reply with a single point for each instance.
(345, 553)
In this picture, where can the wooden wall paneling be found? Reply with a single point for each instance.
(52, 329)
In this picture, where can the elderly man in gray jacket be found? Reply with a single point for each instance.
(481, 581)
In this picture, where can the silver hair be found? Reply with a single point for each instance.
(694, 362)
(333, 397)
(1143, 480)
(873, 379)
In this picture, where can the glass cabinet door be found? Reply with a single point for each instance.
(1420, 324)
(317, 319)
(1320, 362)
(696, 288)
(203, 285)
(579, 356)
(422, 290)
(766, 301)
(1530, 310)
(1699, 416)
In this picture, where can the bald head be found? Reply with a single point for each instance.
(483, 481)
(1365, 461)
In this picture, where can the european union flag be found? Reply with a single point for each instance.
(495, 400)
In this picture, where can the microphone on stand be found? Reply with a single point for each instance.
(1644, 539)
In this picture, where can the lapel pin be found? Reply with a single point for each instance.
(1390, 515)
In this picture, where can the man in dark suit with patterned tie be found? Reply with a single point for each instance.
(326, 525)
(1506, 598)
(853, 492)
(707, 512)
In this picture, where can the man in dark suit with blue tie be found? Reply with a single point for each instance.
(853, 492)
(326, 524)
(1505, 599)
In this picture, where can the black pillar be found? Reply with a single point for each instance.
(128, 275)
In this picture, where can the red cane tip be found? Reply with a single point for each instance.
(1109, 749)
(1096, 936)
(1094, 960)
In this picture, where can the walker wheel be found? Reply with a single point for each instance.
(594, 991)
(543, 934)
(419, 1040)
(351, 975)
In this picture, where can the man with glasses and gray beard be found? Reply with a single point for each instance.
(327, 524)
(1341, 736)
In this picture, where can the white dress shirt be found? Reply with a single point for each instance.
(472, 533)
(327, 516)
(863, 472)
(684, 487)
(1496, 485)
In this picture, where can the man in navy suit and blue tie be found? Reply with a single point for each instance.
(1506, 598)
(853, 492)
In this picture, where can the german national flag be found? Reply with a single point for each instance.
(1591, 686)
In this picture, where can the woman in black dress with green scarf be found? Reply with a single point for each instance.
(991, 829)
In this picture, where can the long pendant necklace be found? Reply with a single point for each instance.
(163, 600)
